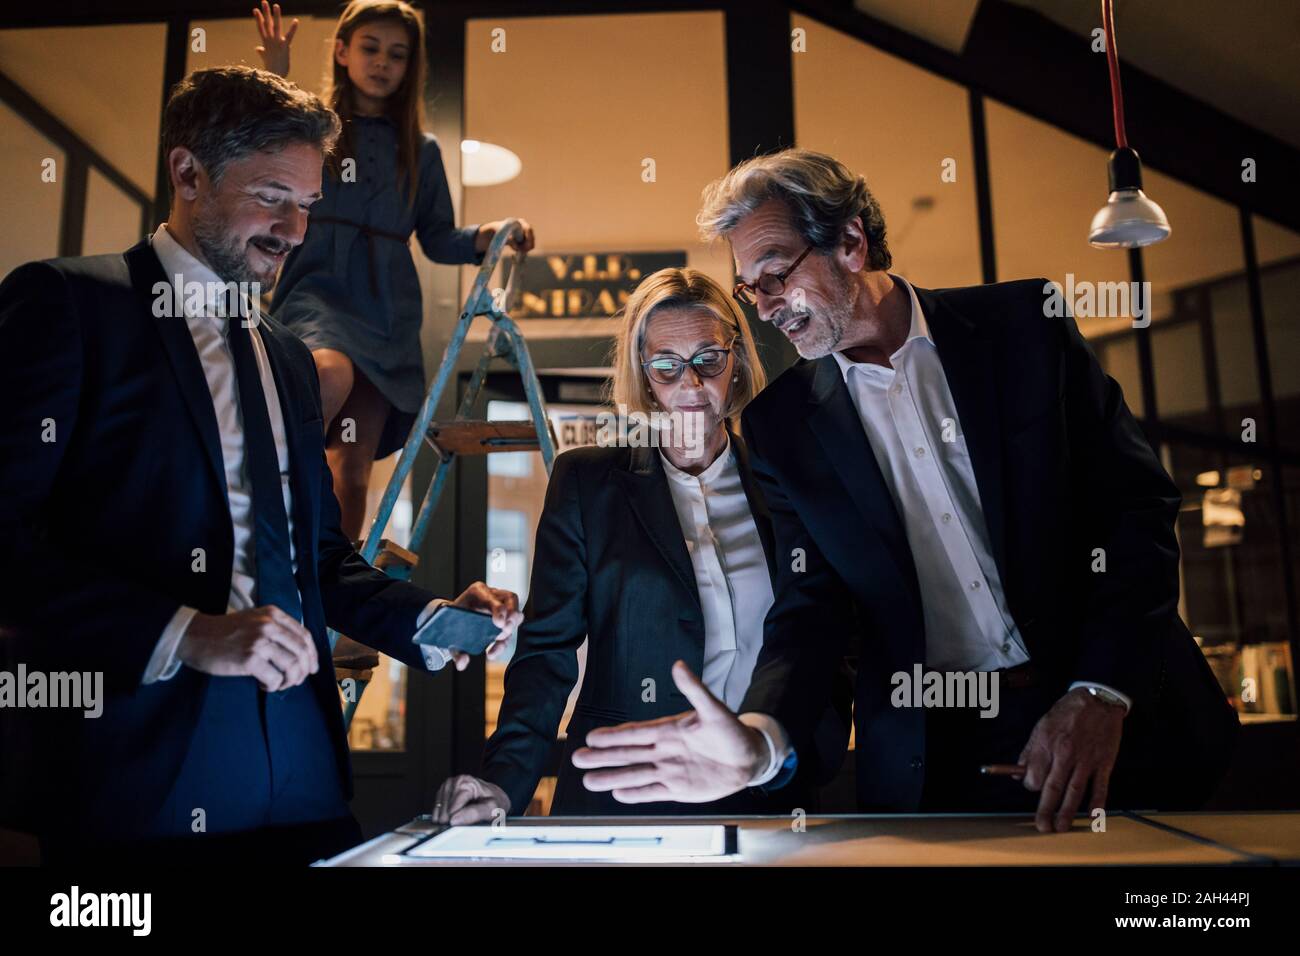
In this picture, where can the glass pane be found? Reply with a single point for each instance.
(515, 497)
(32, 205)
(379, 722)
(233, 41)
(1278, 250)
(1291, 503)
(615, 148)
(1202, 339)
(380, 719)
(106, 88)
(1181, 394)
(1232, 572)
(1118, 355)
(1046, 187)
(112, 217)
(1234, 352)
(915, 154)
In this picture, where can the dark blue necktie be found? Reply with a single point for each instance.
(275, 581)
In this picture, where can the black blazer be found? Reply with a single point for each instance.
(611, 566)
(1062, 468)
(98, 529)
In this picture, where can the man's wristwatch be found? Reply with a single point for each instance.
(1106, 697)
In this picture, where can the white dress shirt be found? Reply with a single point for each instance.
(910, 419)
(911, 422)
(208, 329)
(731, 573)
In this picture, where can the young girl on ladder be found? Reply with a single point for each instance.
(350, 291)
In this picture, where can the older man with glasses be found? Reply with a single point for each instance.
(944, 471)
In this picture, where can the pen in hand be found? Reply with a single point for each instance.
(1014, 770)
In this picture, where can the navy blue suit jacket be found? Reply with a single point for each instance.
(1062, 468)
(99, 528)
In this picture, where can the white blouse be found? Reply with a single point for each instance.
(730, 570)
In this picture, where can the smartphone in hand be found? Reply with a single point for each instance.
(459, 629)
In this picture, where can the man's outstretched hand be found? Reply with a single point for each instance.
(702, 755)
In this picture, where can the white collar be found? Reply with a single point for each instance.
(708, 475)
(920, 330)
(184, 269)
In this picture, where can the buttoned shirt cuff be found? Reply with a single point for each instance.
(778, 745)
(163, 664)
(435, 658)
(1128, 702)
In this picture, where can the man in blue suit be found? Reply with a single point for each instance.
(167, 517)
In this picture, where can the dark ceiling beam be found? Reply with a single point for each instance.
(92, 12)
(96, 12)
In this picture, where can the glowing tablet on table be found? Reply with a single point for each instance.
(633, 844)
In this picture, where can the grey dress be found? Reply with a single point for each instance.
(352, 284)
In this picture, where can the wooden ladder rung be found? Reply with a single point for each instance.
(350, 655)
(393, 555)
(471, 437)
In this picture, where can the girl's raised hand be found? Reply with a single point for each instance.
(275, 43)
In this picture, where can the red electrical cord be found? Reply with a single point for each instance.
(1112, 62)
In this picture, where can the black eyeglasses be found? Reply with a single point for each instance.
(708, 363)
(769, 283)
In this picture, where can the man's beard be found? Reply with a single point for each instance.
(227, 254)
(826, 324)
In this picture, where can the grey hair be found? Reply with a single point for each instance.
(822, 194)
(226, 114)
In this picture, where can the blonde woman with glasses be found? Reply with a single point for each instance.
(654, 548)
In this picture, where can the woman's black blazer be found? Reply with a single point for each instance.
(611, 566)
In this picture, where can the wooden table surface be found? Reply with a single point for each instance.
(1211, 839)
(1270, 836)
